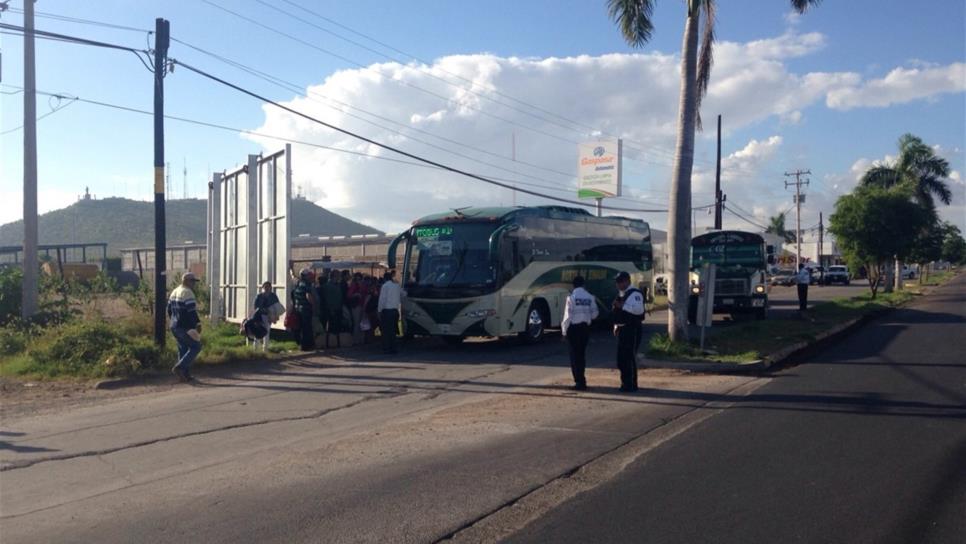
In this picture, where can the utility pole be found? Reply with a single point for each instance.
(161, 40)
(821, 232)
(799, 198)
(30, 271)
(717, 183)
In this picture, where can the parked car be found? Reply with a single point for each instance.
(908, 272)
(837, 274)
(783, 277)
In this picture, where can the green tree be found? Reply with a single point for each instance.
(954, 246)
(928, 245)
(634, 19)
(919, 167)
(776, 226)
(868, 230)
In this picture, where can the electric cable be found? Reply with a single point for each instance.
(395, 149)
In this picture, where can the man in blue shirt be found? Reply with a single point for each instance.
(185, 325)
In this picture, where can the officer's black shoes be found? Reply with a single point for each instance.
(579, 387)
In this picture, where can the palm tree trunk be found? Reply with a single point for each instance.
(679, 212)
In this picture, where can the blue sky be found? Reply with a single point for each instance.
(830, 91)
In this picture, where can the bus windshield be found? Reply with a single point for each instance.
(451, 255)
(727, 254)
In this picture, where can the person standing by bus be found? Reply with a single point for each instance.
(628, 313)
(802, 279)
(390, 300)
(579, 311)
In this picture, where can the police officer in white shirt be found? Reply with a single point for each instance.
(580, 310)
(628, 314)
(803, 278)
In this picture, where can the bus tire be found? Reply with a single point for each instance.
(692, 309)
(538, 319)
(761, 313)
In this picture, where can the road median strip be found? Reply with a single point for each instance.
(761, 345)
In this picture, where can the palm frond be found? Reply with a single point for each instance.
(705, 57)
(931, 185)
(802, 5)
(881, 176)
(634, 19)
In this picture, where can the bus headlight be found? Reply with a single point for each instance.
(695, 290)
(478, 314)
(759, 289)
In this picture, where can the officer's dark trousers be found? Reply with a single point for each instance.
(803, 296)
(628, 338)
(577, 336)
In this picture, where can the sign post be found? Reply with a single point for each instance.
(599, 170)
(705, 298)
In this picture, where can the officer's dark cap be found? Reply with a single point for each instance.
(578, 281)
(622, 276)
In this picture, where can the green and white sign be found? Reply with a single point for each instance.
(599, 169)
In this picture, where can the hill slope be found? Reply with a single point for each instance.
(126, 223)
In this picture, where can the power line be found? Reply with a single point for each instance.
(68, 19)
(53, 109)
(727, 208)
(271, 136)
(292, 87)
(77, 40)
(395, 149)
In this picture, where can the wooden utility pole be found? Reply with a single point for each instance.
(31, 272)
(798, 209)
(161, 41)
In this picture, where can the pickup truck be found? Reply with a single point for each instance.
(837, 274)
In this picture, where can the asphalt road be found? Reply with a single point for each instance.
(863, 442)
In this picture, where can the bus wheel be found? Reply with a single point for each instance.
(537, 321)
(692, 309)
(762, 313)
(453, 340)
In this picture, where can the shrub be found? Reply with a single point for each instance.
(12, 341)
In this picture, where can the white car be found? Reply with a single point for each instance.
(837, 274)
(908, 272)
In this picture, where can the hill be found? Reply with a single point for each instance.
(124, 223)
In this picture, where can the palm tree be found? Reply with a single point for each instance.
(634, 19)
(776, 226)
(917, 165)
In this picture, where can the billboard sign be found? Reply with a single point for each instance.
(599, 169)
(249, 237)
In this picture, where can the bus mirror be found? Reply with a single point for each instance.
(770, 250)
(771, 259)
(391, 257)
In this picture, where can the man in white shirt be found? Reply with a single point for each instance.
(628, 314)
(390, 300)
(803, 278)
(580, 310)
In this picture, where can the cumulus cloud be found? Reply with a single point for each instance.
(899, 86)
(633, 96)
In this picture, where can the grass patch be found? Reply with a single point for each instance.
(96, 349)
(751, 340)
(223, 344)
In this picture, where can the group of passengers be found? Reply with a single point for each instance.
(338, 306)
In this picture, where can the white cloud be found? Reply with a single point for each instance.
(899, 86)
(633, 96)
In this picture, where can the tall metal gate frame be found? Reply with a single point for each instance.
(249, 234)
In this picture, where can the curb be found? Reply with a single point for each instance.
(775, 359)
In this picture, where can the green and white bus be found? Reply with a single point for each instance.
(507, 271)
(740, 259)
